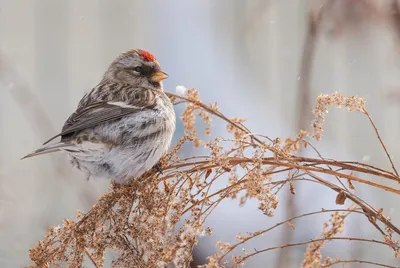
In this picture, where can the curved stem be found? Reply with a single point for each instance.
(286, 221)
(359, 261)
(312, 241)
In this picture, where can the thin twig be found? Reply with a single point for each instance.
(91, 258)
(258, 233)
(359, 261)
(316, 240)
(380, 140)
(202, 165)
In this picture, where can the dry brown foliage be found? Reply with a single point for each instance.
(155, 220)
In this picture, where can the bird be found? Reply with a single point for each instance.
(123, 126)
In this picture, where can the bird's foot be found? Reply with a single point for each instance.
(158, 167)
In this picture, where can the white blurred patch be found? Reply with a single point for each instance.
(180, 90)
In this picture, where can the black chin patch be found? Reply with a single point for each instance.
(155, 84)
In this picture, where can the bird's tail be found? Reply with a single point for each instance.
(50, 148)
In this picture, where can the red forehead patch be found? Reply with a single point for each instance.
(146, 55)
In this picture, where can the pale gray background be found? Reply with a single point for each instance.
(245, 55)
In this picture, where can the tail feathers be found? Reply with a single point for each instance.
(51, 148)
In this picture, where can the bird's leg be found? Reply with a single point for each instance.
(158, 167)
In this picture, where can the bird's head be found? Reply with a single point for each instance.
(137, 68)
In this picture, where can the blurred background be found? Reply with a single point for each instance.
(264, 60)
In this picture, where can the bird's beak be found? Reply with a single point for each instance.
(158, 76)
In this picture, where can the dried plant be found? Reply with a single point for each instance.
(154, 221)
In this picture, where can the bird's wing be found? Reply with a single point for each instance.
(101, 112)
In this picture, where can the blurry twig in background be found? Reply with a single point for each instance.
(350, 17)
(314, 21)
(396, 18)
(28, 104)
(307, 57)
(36, 116)
(27, 101)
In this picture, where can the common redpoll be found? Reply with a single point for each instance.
(123, 126)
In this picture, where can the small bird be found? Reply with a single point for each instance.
(123, 126)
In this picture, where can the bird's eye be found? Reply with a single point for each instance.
(137, 69)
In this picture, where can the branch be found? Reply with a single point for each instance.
(313, 241)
